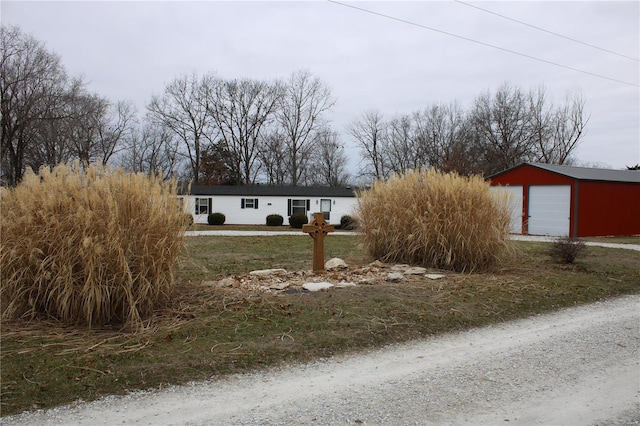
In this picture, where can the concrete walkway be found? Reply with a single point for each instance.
(255, 233)
(545, 239)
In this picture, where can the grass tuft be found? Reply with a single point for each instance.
(88, 246)
(439, 220)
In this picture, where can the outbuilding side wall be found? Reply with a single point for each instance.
(608, 208)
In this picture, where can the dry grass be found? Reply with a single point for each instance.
(438, 220)
(88, 246)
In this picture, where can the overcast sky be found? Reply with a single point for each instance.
(433, 51)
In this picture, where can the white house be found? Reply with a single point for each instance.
(250, 205)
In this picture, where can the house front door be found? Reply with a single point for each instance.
(325, 208)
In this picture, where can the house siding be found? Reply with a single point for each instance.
(231, 207)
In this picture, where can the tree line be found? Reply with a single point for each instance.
(49, 117)
(243, 131)
(498, 131)
(213, 130)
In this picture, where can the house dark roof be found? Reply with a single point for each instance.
(584, 173)
(269, 190)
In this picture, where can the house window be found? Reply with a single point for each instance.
(298, 206)
(249, 203)
(203, 205)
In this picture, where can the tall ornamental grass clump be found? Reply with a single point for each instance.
(88, 246)
(438, 220)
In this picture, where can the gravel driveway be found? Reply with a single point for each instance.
(579, 366)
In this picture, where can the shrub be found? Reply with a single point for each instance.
(298, 219)
(348, 222)
(216, 219)
(88, 246)
(437, 220)
(566, 249)
(275, 220)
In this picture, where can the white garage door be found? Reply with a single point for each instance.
(549, 209)
(515, 201)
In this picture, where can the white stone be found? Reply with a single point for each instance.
(317, 286)
(334, 264)
(434, 276)
(278, 286)
(266, 272)
(343, 284)
(394, 277)
(415, 270)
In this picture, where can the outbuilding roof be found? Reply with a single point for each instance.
(583, 173)
(269, 190)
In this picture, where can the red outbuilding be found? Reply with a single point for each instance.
(560, 200)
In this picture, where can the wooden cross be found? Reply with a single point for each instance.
(318, 229)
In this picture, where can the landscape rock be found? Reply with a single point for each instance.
(434, 276)
(278, 286)
(415, 270)
(267, 272)
(395, 277)
(317, 286)
(335, 264)
(343, 284)
(282, 282)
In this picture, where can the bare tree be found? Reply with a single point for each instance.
(184, 108)
(401, 152)
(541, 124)
(49, 118)
(303, 101)
(242, 110)
(569, 125)
(328, 160)
(152, 149)
(96, 128)
(49, 134)
(503, 126)
(369, 133)
(273, 157)
(556, 131)
(85, 118)
(113, 127)
(513, 127)
(443, 138)
(30, 78)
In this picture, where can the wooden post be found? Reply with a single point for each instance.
(318, 229)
